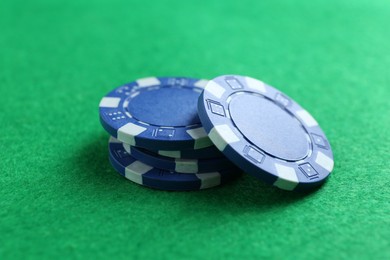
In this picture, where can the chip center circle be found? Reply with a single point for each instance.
(165, 106)
(268, 126)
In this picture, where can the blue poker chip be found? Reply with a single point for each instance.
(151, 177)
(265, 133)
(156, 114)
(204, 153)
(178, 165)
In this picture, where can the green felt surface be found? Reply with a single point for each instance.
(59, 196)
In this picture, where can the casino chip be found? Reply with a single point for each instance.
(265, 133)
(149, 176)
(204, 153)
(178, 165)
(156, 114)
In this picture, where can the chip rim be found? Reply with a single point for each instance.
(181, 165)
(204, 153)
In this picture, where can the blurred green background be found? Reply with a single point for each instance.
(59, 196)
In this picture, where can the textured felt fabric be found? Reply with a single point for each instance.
(60, 197)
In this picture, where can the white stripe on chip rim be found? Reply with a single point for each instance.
(255, 84)
(215, 89)
(126, 104)
(200, 137)
(197, 133)
(209, 180)
(324, 161)
(186, 166)
(306, 118)
(287, 177)
(135, 171)
(109, 102)
(201, 83)
(126, 147)
(113, 140)
(222, 135)
(127, 132)
(172, 154)
(147, 82)
(202, 143)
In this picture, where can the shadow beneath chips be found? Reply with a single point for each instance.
(91, 160)
(245, 193)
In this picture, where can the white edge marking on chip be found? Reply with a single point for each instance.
(147, 82)
(287, 177)
(197, 133)
(222, 135)
(201, 83)
(172, 154)
(133, 96)
(324, 161)
(209, 180)
(114, 140)
(135, 171)
(215, 89)
(255, 84)
(306, 118)
(200, 137)
(186, 166)
(127, 148)
(110, 102)
(127, 132)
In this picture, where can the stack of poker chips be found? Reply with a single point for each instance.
(183, 134)
(157, 138)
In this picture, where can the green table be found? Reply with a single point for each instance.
(61, 198)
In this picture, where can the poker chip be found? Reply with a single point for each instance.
(204, 153)
(149, 176)
(178, 165)
(265, 132)
(156, 114)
